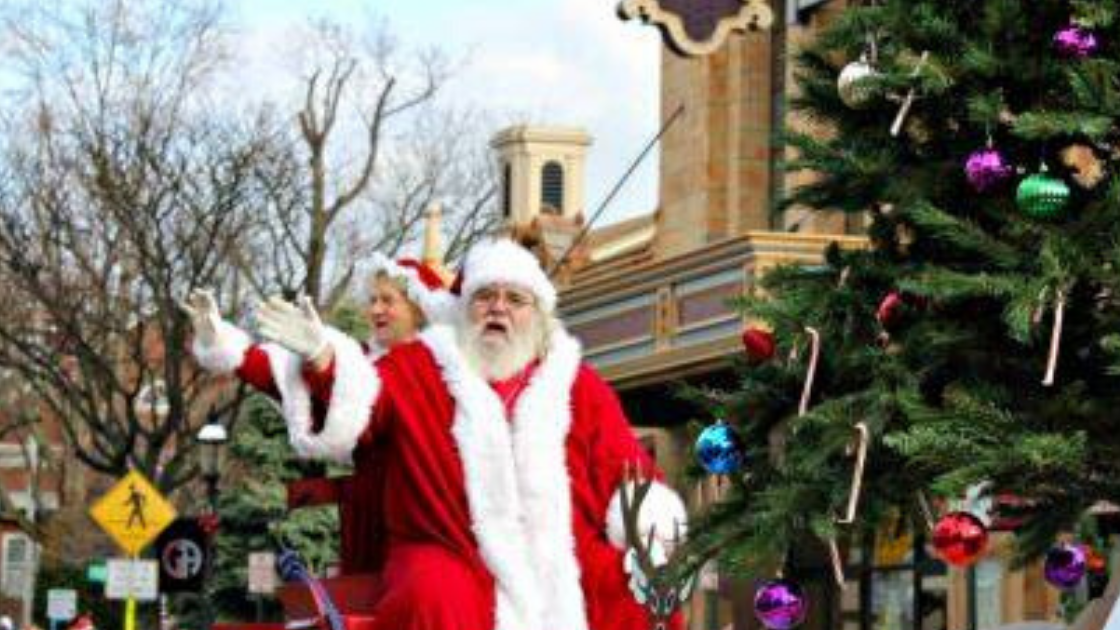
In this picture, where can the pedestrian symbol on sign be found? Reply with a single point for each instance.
(136, 501)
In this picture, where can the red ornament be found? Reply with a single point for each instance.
(1095, 562)
(759, 344)
(959, 538)
(889, 309)
(209, 523)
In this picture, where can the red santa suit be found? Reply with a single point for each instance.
(493, 522)
(273, 371)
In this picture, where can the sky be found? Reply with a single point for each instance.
(562, 62)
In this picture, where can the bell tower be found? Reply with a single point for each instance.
(541, 175)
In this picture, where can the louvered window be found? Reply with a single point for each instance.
(552, 188)
(507, 190)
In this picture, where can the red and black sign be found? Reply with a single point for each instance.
(183, 553)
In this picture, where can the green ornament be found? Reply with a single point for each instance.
(1042, 196)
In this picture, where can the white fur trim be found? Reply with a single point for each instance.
(541, 420)
(437, 304)
(504, 261)
(662, 509)
(227, 351)
(517, 484)
(355, 389)
(482, 434)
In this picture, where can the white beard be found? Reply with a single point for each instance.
(497, 359)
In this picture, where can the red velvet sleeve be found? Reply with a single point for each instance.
(614, 446)
(256, 371)
(319, 382)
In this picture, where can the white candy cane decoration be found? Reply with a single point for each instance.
(1055, 337)
(908, 102)
(814, 357)
(927, 513)
(837, 564)
(858, 447)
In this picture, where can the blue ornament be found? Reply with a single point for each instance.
(719, 449)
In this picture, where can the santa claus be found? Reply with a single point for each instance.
(503, 454)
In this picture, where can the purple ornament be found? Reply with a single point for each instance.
(986, 169)
(1065, 566)
(780, 604)
(1074, 41)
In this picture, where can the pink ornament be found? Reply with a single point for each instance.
(986, 169)
(1074, 41)
(780, 604)
(890, 309)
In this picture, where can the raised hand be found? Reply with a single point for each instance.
(202, 309)
(297, 327)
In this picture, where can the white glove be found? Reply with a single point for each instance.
(297, 328)
(202, 308)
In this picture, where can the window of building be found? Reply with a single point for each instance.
(507, 190)
(552, 187)
(16, 568)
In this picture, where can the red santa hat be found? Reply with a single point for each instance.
(421, 284)
(505, 262)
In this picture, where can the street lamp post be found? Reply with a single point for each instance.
(212, 438)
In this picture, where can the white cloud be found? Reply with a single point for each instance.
(572, 62)
(565, 62)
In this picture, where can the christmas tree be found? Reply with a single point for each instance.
(977, 338)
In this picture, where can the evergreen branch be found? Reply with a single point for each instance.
(1046, 125)
(1093, 13)
(964, 236)
(946, 285)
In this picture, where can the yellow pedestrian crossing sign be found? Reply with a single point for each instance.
(133, 512)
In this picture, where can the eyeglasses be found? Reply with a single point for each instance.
(513, 298)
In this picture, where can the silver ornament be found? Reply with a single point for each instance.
(855, 84)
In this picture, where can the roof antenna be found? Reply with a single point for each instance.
(614, 191)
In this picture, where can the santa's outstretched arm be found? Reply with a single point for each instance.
(328, 431)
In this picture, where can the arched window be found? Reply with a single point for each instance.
(552, 187)
(507, 190)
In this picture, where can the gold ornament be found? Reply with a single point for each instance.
(905, 237)
(917, 130)
(1086, 169)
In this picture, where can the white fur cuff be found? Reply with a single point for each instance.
(227, 351)
(355, 389)
(662, 509)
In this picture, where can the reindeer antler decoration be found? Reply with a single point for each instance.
(655, 572)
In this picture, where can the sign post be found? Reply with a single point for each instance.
(133, 513)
